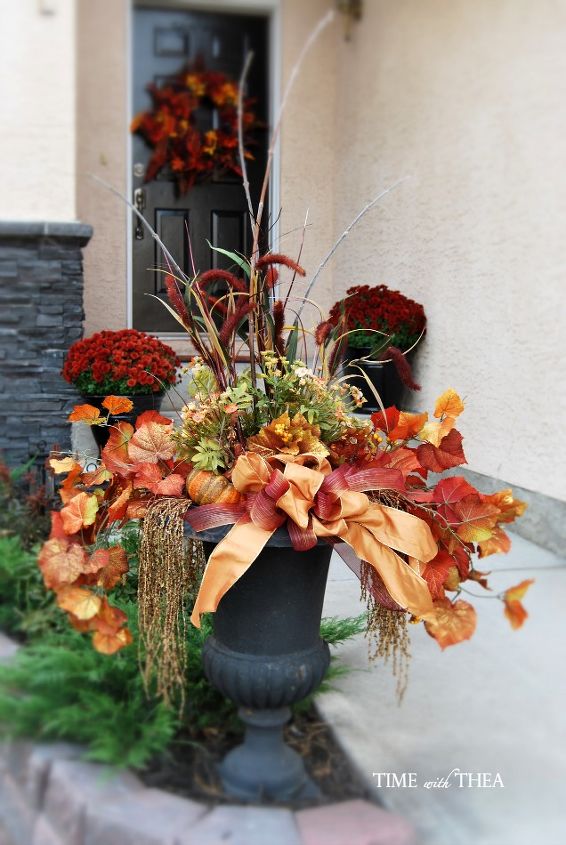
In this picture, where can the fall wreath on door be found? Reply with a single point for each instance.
(171, 128)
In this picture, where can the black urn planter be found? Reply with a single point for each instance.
(383, 376)
(266, 654)
(142, 402)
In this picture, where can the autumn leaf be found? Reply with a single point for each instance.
(80, 602)
(118, 404)
(115, 453)
(509, 508)
(479, 577)
(60, 465)
(98, 476)
(499, 542)
(86, 414)
(72, 484)
(152, 442)
(61, 562)
(448, 408)
(451, 623)
(405, 460)
(116, 566)
(448, 454)
(152, 417)
(435, 573)
(57, 531)
(408, 425)
(475, 520)
(514, 610)
(113, 642)
(452, 489)
(119, 506)
(448, 405)
(386, 421)
(150, 477)
(80, 512)
(137, 507)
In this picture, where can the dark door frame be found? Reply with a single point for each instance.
(271, 9)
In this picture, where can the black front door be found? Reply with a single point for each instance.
(165, 41)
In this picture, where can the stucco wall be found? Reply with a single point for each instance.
(37, 113)
(102, 144)
(469, 98)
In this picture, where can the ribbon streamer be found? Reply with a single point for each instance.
(315, 503)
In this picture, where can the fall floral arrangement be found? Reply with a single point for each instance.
(171, 130)
(123, 362)
(274, 447)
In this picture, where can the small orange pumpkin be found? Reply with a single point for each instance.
(205, 487)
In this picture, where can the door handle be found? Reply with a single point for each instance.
(139, 203)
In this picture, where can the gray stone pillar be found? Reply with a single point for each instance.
(41, 315)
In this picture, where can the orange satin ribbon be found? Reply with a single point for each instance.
(372, 530)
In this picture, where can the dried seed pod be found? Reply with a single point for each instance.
(205, 487)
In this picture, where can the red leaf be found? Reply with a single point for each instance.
(452, 489)
(448, 454)
(115, 453)
(514, 610)
(475, 520)
(152, 417)
(150, 477)
(85, 413)
(435, 573)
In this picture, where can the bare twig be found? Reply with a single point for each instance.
(347, 231)
(241, 150)
(298, 258)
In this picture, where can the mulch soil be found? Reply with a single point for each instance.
(189, 767)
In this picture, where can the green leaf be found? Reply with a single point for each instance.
(237, 259)
(292, 342)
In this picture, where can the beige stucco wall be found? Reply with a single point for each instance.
(102, 144)
(469, 98)
(37, 110)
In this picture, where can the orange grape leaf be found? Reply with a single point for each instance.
(152, 442)
(87, 414)
(115, 453)
(108, 619)
(514, 610)
(112, 642)
(70, 487)
(448, 454)
(479, 577)
(60, 465)
(510, 508)
(116, 567)
(407, 425)
(498, 542)
(451, 623)
(436, 571)
(57, 531)
(61, 562)
(119, 506)
(118, 404)
(152, 417)
(80, 512)
(475, 520)
(137, 508)
(448, 405)
(150, 477)
(96, 477)
(80, 602)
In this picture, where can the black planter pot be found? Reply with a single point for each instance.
(266, 654)
(142, 402)
(384, 378)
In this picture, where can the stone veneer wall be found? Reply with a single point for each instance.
(41, 315)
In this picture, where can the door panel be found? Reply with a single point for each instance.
(164, 41)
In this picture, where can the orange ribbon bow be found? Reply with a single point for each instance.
(315, 504)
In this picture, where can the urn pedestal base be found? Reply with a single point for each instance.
(266, 654)
(263, 766)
